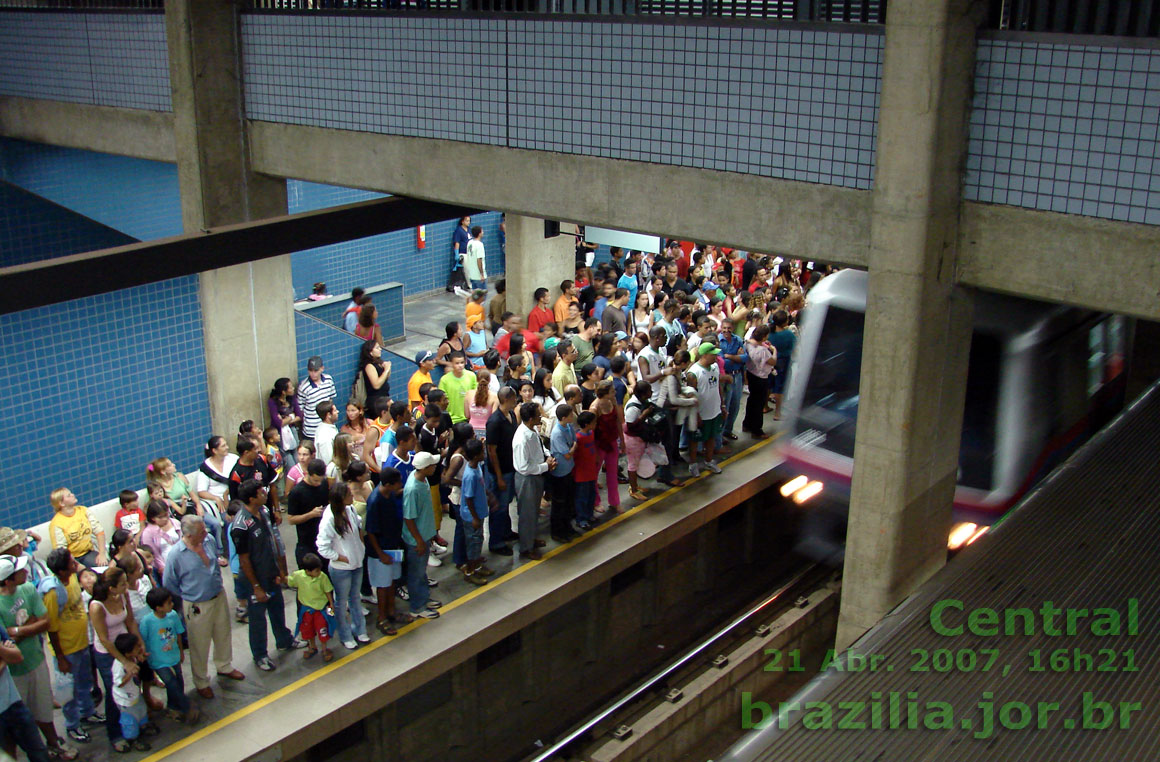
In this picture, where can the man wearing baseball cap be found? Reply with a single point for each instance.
(316, 387)
(426, 362)
(418, 532)
(24, 617)
(706, 377)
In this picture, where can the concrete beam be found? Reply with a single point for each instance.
(1065, 258)
(806, 220)
(121, 131)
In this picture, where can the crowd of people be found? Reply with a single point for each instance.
(636, 371)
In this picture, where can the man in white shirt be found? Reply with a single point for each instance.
(316, 387)
(706, 376)
(531, 464)
(475, 262)
(326, 431)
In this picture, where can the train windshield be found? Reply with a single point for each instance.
(829, 407)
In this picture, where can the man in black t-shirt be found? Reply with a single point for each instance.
(501, 472)
(307, 500)
(251, 465)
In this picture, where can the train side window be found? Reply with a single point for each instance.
(1097, 354)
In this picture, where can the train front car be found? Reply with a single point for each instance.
(1041, 378)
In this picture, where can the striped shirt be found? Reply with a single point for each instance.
(309, 395)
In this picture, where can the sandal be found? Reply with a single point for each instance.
(327, 655)
(140, 745)
(121, 746)
(60, 751)
(403, 618)
(385, 627)
(636, 494)
(150, 729)
(309, 653)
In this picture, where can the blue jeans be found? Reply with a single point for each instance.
(585, 498)
(174, 687)
(499, 522)
(480, 284)
(17, 722)
(274, 608)
(473, 539)
(415, 572)
(732, 403)
(459, 554)
(347, 606)
(81, 703)
(104, 664)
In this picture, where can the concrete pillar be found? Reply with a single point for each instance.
(534, 261)
(917, 335)
(247, 309)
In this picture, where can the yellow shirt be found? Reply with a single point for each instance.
(418, 378)
(71, 624)
(76, 532)
(474, 308)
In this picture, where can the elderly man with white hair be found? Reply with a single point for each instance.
(192, 574)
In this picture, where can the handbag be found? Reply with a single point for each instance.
(289, 438)
(358, 390)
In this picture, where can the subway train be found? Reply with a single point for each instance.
(1041, 380)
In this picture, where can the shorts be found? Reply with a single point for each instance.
(36, 690)
(633, 449)
(312, 622)
(132, 718)
(710, 429)
(383, 575)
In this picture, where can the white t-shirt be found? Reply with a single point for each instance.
(126, 695)
(708, 390)
(203, 483)
(655, 363)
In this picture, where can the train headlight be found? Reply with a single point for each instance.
(807, 492)
(793, 485)
(963, 534)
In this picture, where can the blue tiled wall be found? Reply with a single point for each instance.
(98, 387)
(382, 258)
(135, 196)
(390, 304)
(1067, 128)
(774, 101)
(32, 229)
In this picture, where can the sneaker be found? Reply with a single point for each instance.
(402, 593)
(294, 645)
(96, 718)
(433, 560)
(428, 614)
(713, 467)
(364, 638)
(437, 549)
(265, 664)
(79, 734)
(484, 571)
(475, 579)
(694, 469)
(369, 599)
(432, 582)
(460, 292)
(434, 604)
(349, 645)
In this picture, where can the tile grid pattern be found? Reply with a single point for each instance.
(98, 59)
(32, 229)
(776, 102)
(1067, 128)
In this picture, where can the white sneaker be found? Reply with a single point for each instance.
(694, 469)
(369, 599)
(460, 292)
(433, 561)
(362, 638)
(712, 467)
(437, 549)
(350, 645)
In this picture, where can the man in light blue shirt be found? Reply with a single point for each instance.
(563, 447)
(418, 531)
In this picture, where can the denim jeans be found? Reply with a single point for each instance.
(347, 606)
(415, 572)
(499, 522)
(585, 498)
(174, 687)
(104, 664)
(473, 539)
(732, 404)
(274, 608)
(81, 703)
(17, 722)
(459, 554)
(479, 284)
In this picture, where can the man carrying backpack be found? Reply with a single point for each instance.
(645, 425)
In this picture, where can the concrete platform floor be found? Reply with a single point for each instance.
(426, 318)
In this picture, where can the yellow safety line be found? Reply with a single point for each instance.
(419, 621)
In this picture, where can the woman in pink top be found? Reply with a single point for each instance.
(482, 404)
(110, 615)
(161, 533)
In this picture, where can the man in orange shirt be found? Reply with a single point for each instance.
(426, 361)
(540, 314)
(475, 304)
(568, 294)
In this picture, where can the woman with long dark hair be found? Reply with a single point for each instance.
(453, 343)
(285, 411)
(452, 478)
(368, 324)
(376, 373)
(340, 541)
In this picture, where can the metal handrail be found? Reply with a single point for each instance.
(666, 672)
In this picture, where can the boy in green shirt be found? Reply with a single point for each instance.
(316, 597)
(456, 386)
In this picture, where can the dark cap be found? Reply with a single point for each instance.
(314, 363)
